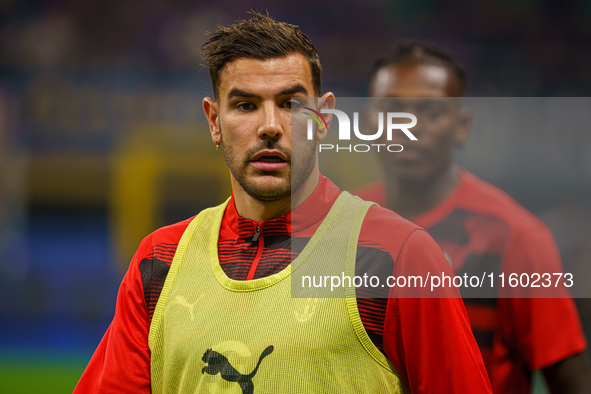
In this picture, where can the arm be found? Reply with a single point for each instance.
(429, 339)
(546, 331)
(121, 363)
(570, 376)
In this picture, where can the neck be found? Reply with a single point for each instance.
(260, 210)
(410, 198)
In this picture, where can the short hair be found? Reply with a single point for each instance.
(259, 37)
(414, 52)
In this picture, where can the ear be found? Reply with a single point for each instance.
(327, 101)
(211, 109)
(464, 127)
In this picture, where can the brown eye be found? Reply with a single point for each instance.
(292, 104)
(245, 106)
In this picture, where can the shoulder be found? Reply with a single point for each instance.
(375, 192)
(383, 225)
(484, 198)
(164, 237)
(158, 248)
(162, 243)
(389, 231)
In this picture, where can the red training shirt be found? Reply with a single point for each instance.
(427, 340)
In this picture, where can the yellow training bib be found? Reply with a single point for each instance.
(212, 334)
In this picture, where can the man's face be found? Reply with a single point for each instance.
(253, 124)
(423, 90)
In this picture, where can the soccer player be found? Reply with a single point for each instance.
(206, 304)
(479, 227)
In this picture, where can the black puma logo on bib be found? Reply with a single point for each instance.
(218, 363)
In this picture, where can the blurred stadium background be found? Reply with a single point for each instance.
(102, 138)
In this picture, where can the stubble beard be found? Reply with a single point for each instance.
(295, 177)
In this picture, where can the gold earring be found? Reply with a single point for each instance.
(217, 147)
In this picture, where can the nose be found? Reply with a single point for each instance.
(270, 126)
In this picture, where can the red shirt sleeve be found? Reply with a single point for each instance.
(121, 363)
(543, 330)
(429, 340)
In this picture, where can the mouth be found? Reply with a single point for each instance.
(269, 160)
(411, 154)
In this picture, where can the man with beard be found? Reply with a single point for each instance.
(479, 227)
(206, 304)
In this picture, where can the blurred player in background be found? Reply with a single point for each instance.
(206, 304)
(479, 227)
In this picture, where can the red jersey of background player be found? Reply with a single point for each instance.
(480, 229)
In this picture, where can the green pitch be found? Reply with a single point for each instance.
(39, 376)
(58, 377)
